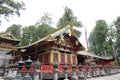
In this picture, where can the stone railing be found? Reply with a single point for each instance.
(78, 72)
(36, 71)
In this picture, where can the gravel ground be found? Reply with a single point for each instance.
(110, 77)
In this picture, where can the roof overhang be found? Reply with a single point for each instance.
(51, 37)
(86, 53)
(15, 41)
(4, 51)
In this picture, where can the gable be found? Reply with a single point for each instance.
(7, 35)
(65, 41)
(66, 32)
(8, 38)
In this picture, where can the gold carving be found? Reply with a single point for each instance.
(69, 32)
(76, 42)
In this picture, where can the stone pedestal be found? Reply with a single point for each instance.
(36, 75)
(74, 77)
(55, 71)
(65, 67)
(81, 73)
(88, 72)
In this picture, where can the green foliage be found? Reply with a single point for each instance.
(97, 38)
(102, 39)
(44, 26)
(69, 19)
(117, 22)
(100, 31)
(33, 33)
(117, 26)
(15, 30)
(44, 30)
(45, 19)
(28, 35)
(92, 43)
(10, 7)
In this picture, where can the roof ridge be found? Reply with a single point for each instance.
(8, 35)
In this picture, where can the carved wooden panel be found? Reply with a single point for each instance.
(41, 58)
(63, 58)
(69, 58)
(6, 45)
(74, 59)
(46, 58)
(64, 41)
(55, 57)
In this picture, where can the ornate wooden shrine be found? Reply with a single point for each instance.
(8, 41)
(7, 45)
(61, 47)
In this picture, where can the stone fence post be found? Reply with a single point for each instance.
(55, 71)
(102, 72)
(94, 68)
(88, 75)
(28, 66)
(37, 70)
(19, 74)
(65, 67)
(81, 73)
(74, 77)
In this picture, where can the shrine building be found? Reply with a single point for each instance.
(7, 48)
(61, 46)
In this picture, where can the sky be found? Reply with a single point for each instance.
(86, 11)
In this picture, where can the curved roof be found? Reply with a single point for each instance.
(87, 53)
(8, 36)
(51, 37)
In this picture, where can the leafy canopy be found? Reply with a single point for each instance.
(10, 7)
(68, 18)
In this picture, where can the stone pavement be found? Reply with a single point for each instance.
(110, 77)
